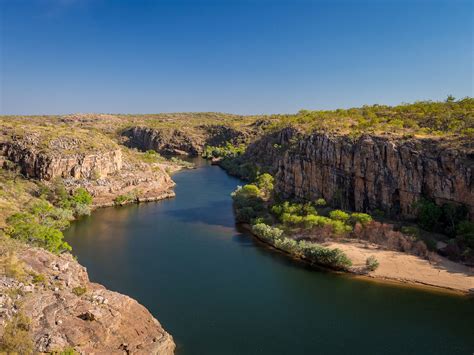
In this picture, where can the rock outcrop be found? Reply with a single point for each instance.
(368, 173)
(46, 166)
(181, 141)
(66, 310)
(165, 141)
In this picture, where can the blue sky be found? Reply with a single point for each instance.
(260, 56)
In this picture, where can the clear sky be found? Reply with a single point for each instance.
(254, 56)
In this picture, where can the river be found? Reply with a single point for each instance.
(219, 291)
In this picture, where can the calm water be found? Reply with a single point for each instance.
(217, 291)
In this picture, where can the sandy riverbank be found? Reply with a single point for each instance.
(409, 269)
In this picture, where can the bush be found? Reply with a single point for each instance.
(125, 198)
(16, 336)
(428, 214)
(41, 227)
(312, 252)
(334, 258)
(321, 202)
(82, 210)
(371, 263)
(79, 291)
(465, 233)
(267, 232)
(12, 267)
(339, 215)
(248, 203)
(82, 196)
(362, 218)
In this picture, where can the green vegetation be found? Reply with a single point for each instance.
(422, 117)
(125, 198)
(10, 266)
(40, 226)
(150, 156)
(41, 222)
(231, 159)
(248, 203)
(16, 336)
(227, 151)
(314, 253)
(372, 263)
(79, 291)
(306, 216)
(78, 203)
(181, 162)
(452, 221)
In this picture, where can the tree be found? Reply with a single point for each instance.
(265, 183)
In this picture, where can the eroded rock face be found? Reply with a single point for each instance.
(172, 141)
(369, 173)
(43, 166)
(67, 310)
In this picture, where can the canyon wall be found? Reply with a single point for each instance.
(368, 173)
(44, 166)
(172, 141)
(180, 141)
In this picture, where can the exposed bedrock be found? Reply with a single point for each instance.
(369, 173)
(180, 141)
(166, 141)
(67, 310)
(46, 166)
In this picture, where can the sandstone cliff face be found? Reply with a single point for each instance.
(366, 174)
(44, 166)
(189, 142)
(172, 141)
(94, 320)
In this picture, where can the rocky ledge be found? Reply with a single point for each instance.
(66, 310)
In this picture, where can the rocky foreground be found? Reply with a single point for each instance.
(67, 311)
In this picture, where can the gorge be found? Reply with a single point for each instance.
(171, 254)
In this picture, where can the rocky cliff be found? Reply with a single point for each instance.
(184, 141)
(165, 141)
(66, 310)
(367, 173)
(62, 157)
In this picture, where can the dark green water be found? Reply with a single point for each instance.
(218, 291)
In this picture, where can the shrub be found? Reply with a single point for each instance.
(41, 227)
(248, 203)
(79, 291)
(339, 215)
(371, 263)
(39, 279)
(12, 267)
(16, 336)
(334, 258)
(82, 196)
(267, 232)
(320, 202)
(151, 156)
(362, 218)
(339, 227)
(125, 198)
(82, 210)
(465, 233)
(428, 214)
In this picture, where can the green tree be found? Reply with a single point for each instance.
(265, 183)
